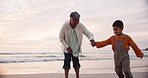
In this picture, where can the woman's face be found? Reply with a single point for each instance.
(74, 22)
(117, 30)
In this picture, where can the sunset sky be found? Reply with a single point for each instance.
(34, 25)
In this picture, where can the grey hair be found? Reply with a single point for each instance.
(74, 15)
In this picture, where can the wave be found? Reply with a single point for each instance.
(18, 57)
(26, 53)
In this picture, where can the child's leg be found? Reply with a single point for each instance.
(118, 68)
(126, 67)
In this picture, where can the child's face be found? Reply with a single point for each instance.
(117, 30)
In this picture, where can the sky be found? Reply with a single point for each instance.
(34, 25)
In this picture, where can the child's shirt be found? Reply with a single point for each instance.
(127, 43)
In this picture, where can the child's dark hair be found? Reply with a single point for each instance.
(118, 23)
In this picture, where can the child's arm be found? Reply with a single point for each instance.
(136, 49)
(103, 43)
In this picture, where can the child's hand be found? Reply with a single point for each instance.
(140, 57)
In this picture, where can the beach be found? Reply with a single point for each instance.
(60, 75)
(30, 45)
(53, 69)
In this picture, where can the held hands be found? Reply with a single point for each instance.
(93, 43)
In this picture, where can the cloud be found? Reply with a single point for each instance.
(28, 23)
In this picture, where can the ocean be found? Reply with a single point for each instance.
(52, 62)
(19, 57)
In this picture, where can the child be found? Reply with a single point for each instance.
(120, 45)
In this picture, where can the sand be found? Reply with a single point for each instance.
(89, 69)
(60, 75)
